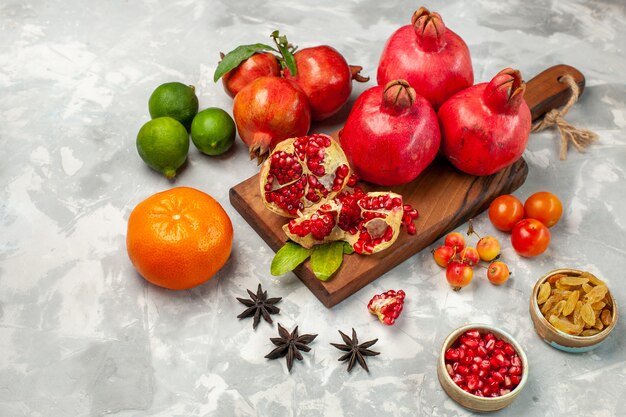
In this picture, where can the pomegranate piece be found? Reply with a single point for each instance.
(268, 111)
(485, 127)
(494, 369)
(258, 65)
(388, 306)
(391, 134)
(433, 59)
(369, 222)
(300, 172)
(326, 78)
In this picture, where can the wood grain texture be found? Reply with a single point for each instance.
(444, 197)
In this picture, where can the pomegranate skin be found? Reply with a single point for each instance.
(485, 128)
(325, 77)
(391, 134)
(258, 65)
(268, 111)
(432, 58)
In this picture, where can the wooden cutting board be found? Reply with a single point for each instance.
(443, 196)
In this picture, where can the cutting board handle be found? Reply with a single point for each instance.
(544, 92)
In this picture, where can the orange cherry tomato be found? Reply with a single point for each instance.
(530, 237)
(545, 207)
(505, 211)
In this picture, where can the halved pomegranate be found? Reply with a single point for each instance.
(369, 222)
(300, 172)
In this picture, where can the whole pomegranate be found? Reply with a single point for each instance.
(433, 59)
(302, 171)
(258, 65)
(326, 78)
(485, 128)
(391, 134)
(268, 111)
(369, 222)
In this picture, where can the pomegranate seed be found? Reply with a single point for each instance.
(508, 350)
(490, 336)
(478, 393)
(486, 365)
(464, 370)
(482, 374)
(481, 351)
(507, 382)
(451, 371)
(515, 370)
(504, 391)
(500, 344)
(477, 360)
(472, 382)
(515, 380)
(458, 379)
(474, 334)
(474, 369)
(451, 354)
(470, 353)
(490, 344)
(497, 376)
(516, 361)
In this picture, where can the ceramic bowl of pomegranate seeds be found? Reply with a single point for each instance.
(572, 310)
(482, 367)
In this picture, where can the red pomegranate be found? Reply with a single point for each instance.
(326, 78)
(432, 58)
(369, 222)
(391, 134)
(485, 128)
(258, 65)
(302, 171)
(268, 111)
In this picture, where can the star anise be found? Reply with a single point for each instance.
(355, 352)
(259, 305)
(289, 344)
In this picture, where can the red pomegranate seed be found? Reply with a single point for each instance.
(474, 334)
(464, 370)
(497, 376)
(472, 382)
(481, 351)
(490, 344)
(516, 361)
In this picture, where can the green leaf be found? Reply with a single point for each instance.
(235, 57)
(347, 248)
(286, 50)
(326, 259)
(288, 258)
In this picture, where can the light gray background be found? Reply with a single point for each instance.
(81, 334)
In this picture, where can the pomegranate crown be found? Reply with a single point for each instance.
(398, 95)
(505, 91)
(429, 29)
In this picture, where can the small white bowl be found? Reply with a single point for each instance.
(474, 402)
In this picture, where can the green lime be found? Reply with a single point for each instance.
(163, 144)
(175, 100)
(213, 131)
